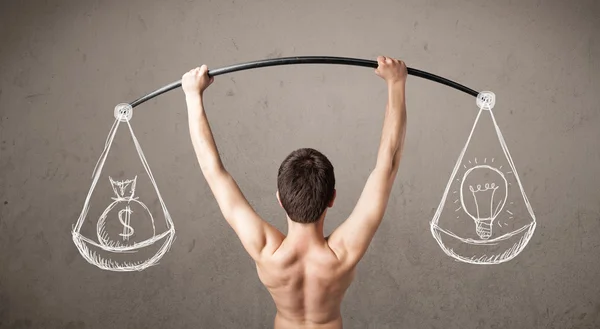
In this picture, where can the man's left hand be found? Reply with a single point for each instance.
(196, 81)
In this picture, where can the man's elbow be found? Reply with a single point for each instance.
(386, 165)
(212, 169)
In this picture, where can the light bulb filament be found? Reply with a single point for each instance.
(486, 187)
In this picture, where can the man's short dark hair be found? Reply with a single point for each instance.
(306, 184)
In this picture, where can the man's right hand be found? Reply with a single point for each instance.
(391, 70)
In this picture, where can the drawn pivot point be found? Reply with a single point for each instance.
(486, 100)
(123, 112)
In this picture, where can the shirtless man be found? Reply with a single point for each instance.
(306, 273)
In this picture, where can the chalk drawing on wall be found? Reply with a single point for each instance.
(121, 249)
(484, 216)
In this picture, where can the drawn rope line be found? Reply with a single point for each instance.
(145, 164)
(438, 212)
(96, 174)
(512, 166)
(307, 60)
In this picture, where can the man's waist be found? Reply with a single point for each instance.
(283, 322)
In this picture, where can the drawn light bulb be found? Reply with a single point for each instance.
(483, 193)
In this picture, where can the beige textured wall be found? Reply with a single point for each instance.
(64, 65)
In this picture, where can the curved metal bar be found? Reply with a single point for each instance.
(305, 60)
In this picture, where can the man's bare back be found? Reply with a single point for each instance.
(307, 282)
(306, 273)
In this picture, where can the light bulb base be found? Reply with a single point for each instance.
(483, 227)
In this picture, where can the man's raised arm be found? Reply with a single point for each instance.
(256, 235)
(352, 238)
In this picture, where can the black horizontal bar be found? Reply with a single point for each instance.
(306, 60)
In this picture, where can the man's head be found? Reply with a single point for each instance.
(306, 185)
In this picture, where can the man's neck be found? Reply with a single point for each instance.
(306, 232)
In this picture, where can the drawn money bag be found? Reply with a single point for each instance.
(484, 216)
(127, 238)
(124, 207)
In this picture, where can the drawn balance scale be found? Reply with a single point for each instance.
(484, 199)
(107, 251)
(484, 216)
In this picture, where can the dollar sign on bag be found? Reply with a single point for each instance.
(127, 229)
